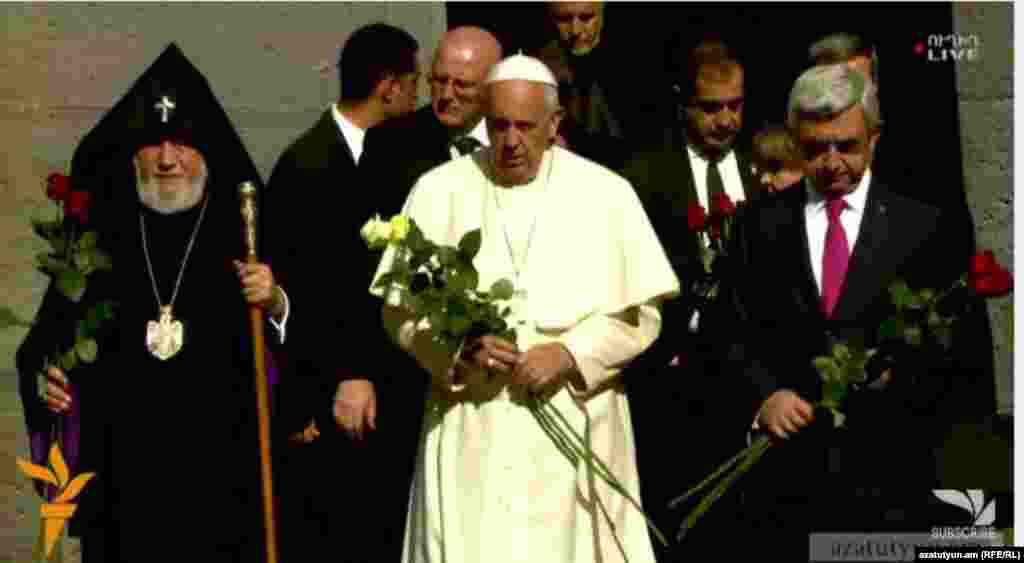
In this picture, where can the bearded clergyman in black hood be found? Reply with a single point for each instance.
(166, 416)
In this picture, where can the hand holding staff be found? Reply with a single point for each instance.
(247, 190)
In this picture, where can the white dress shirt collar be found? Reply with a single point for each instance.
(728, 169)
(479, 133)
(352, 134)
(855, 200)
(817, 220)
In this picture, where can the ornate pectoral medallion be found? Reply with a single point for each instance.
(164, 338)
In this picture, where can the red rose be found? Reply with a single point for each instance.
(984, 263)
(58, 186)
(987, 277)
(722, 205)
(696, 218)
(78, 205)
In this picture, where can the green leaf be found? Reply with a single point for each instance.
(82, 260)
(385, 280)
(438, 321)
(858, 355)
(447, 256)
(47, 230)
(459, 325)
(87, 350)
(88, 241)
(105, 310)
(707, 257)
(912, 335)
(457, 309)
(833, 392)
(841, 352)
(463, 280)
(854, 373)
(101, 260)
(9, 319)
(94, 317)
(926, 296)
(71, 283)
(497, 326)
(419, 258)
(412, 301)
(58, 244)
(502, 289)
(838, 418)
(68, 361)
(901, 294)
(891, 329)
(470, 244)
(825, 366)
(415, 240)
(50, 264)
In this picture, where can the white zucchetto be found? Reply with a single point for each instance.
(521, 67)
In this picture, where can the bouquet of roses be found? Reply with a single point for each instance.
(713, 232)
(923, 319)
(73, 257)
(439, 283)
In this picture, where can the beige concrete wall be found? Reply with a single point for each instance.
(985, 87)
(63, 65)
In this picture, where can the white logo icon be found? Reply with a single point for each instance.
(973, 501)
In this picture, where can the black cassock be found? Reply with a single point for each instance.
(174, 443)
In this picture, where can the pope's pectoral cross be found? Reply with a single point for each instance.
(165, 106)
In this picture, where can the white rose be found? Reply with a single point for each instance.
(376, 232)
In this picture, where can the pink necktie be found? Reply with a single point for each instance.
(836, 257)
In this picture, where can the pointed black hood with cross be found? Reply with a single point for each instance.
(173, 101)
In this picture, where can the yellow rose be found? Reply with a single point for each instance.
(400, 226)
(376, 232)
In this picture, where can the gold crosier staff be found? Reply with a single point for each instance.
(247, 191)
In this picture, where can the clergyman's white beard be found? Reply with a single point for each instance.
(172, 198)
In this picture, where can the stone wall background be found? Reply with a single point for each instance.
(985, 89)
(63, 65)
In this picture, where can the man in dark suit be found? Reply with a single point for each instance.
(605, 120)
(677, 374)
(811, 267)
(396, 153)
(399, 151)
(331, 486)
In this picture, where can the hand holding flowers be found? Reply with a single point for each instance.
(439, 284)
(923, 320)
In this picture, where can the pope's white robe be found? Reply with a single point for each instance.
(490, 484)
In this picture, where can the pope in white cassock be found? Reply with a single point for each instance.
(589, 273)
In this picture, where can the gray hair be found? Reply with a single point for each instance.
(551, 104)
(828, 90)
(840, 47)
